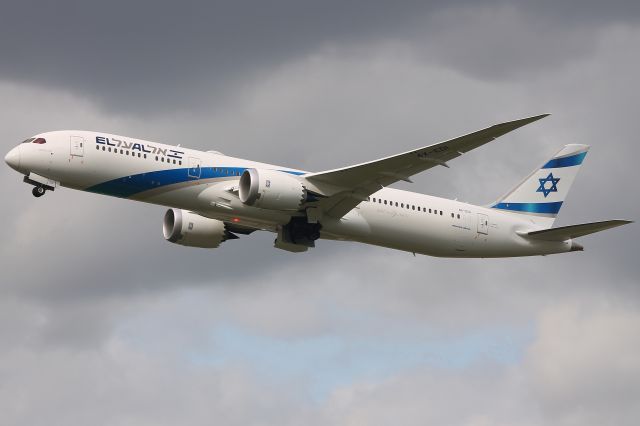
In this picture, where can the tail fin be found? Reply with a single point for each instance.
(540, 195)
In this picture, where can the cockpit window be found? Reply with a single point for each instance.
(40, 141)
(28, 140)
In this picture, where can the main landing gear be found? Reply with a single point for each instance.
(297, 235)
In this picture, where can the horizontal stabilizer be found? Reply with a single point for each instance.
(574, 231)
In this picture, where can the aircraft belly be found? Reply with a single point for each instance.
(406, 231)
(213, 200)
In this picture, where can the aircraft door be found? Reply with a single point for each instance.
(194, 168)
(77, 146)
(483, 224)
(463, 230)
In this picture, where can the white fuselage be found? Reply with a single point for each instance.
(204, 182)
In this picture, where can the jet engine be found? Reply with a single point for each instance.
(190, 229)
(271, 189)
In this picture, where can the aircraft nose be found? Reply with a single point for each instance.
(13, 158)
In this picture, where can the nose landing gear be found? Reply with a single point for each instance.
(38, 191)
(39, 188)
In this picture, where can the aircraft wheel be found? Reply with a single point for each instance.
(38, 191)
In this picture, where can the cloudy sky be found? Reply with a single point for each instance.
(103, 322)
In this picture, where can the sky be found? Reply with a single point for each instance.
(104, 322)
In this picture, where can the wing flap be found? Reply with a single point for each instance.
(574, 231)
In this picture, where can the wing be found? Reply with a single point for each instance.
(346, 187)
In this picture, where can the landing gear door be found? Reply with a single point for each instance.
(194, 167)
(483, 224)
(77, 146)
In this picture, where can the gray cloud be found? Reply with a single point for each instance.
(157, 56)
(131, 55)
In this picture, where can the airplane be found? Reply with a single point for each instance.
(213, 198)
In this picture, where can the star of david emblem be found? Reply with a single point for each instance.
(548, 185)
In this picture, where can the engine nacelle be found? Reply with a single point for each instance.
(192, 230)
(271, 189)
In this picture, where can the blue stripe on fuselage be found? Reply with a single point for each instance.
(130, 185)
(552, 208)
(572, 160)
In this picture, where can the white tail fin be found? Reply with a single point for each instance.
(541, 194)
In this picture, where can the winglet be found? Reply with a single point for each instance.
(515, 124)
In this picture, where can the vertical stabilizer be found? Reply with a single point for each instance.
(540, 196)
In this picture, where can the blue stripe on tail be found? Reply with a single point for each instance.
(550, 208)
(572, 160)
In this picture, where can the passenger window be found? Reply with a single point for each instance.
(458, 216)
(97, 147)
(374, 200)
(396, 204)
(440, 212)
(413, 207)
(402, 205)
(162, 159)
